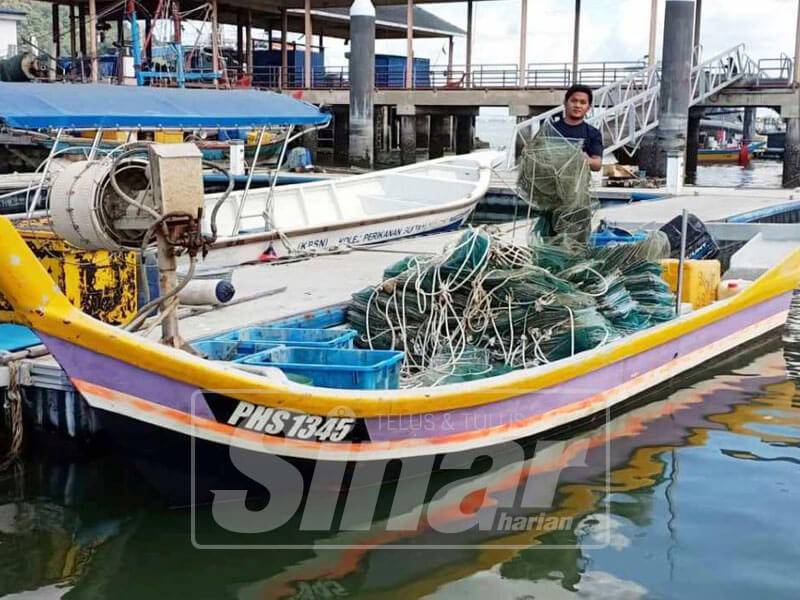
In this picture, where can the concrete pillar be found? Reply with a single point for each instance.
(56, 31)
(422, 131)
(749, 124)
(408, 139)
(362, 83)
(308, 38)
(439, 137)
(791, 154)
(93, 40)
(379, 128)
(469, 43)
(676, 65)
(73, 38)
(465, 133)
(523, 40)
(576, 41)
(651, 47)
(409, 44)
(341, 139)
(692, 140)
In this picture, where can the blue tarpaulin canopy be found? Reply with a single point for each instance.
(97, 106)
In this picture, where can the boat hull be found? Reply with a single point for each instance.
(165, 403)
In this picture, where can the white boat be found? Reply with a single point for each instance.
(436, 195)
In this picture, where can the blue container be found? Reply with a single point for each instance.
(231, 350)
(301, 338)
(390, 71)
(330, 368)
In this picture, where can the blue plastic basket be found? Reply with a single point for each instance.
(302, 338)
(233, 349)
(333, 368)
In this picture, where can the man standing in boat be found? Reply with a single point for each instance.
(572, 125)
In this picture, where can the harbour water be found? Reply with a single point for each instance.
(698, 501)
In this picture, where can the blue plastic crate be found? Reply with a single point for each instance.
(303, 338)
(331, 368)
(232, 349)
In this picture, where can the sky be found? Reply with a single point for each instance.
(611, 30)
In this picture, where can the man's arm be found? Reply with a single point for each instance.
(594, 152)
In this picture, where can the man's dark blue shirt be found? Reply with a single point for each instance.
(591, 136)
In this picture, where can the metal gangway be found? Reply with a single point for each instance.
(626, 110)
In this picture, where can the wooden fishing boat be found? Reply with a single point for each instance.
(436, 195)
(142, 389)
(728, 155)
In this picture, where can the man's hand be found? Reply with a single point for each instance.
(595, 162)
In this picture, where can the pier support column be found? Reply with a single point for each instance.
(749, 125)
(408, 135)
(676, 68)
(362, 83)
(692, 140)
(439, 137)
(423, 136)
(791, 154)
(379, 129)
(341, 138)
(465, 133)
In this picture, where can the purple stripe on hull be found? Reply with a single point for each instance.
(528, 405)
(114, 374)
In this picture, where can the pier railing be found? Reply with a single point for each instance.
(481, 76)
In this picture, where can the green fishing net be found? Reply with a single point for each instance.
(554, 179)
(485, 305)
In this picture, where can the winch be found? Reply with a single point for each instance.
(145, 193)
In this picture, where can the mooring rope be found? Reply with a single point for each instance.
(13, 413)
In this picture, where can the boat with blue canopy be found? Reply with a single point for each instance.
(249, 223)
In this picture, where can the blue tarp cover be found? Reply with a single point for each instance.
(95, 106)
(16, 337)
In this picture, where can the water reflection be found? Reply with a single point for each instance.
(701, 491)
(760, 174)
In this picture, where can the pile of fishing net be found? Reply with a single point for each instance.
(485, 305)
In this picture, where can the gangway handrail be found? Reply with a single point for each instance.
(627, 109)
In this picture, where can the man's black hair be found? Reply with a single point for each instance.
(574, 89)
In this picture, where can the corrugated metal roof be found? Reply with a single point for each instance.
(396, 16)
